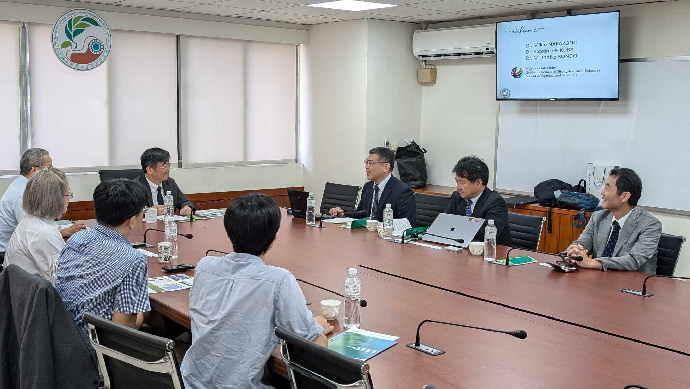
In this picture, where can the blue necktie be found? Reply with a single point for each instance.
(159, 198)
(611, 244)
(375, 202)
(468, 210)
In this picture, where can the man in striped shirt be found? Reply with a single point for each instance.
(98, 270)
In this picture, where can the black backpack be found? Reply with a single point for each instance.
(545, 191)
(411, 165)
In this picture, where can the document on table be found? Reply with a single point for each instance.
(148, 253)
(361, 344)
(339, 220)
(170, 283)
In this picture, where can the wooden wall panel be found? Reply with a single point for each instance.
(83, 210)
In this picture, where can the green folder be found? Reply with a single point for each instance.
(516, 260)
(359, 223)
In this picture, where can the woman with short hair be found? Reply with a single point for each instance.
(36, 243)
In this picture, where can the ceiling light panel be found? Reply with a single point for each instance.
(351, 5)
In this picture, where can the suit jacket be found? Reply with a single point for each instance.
(41, 345)
(396, 193)
(637, 243)
(490, 205)
(179, 198)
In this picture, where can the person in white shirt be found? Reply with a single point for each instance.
(11, 211)
(36, 243)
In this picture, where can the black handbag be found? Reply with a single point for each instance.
(411, 165)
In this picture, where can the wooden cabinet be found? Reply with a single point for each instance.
(562, 232)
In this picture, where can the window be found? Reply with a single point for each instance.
(107, 116)
(238, 100)
(9, 98)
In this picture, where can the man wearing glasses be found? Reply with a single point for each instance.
(11, 211)
(155, 162)
(383, 188)
(98, 270)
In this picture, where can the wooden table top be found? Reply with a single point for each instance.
(529, 297)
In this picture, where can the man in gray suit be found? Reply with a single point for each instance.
(155, 162)
(622, 236)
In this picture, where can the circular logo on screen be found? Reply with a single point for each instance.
(81, 39)
(516, 72)
(505, 93)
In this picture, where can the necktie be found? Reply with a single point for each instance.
(468, 210)
(611, 244)
(159, 198)
(375, 202)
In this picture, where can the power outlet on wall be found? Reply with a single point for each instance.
(387, 143)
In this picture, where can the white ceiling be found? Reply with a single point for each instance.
(414, 11)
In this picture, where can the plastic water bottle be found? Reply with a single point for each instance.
(353, 287)
(311, 210)
(169, 203)
(171, 236)
(490, 241)
(388, 222)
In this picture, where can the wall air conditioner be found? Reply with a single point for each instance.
(452, 43)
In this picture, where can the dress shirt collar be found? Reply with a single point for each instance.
(109, 232)
(622, 220)
(153, 186)
(382, 184)
(49, 222)
(244, 257)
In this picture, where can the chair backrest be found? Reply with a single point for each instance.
(132, 359)
(525, 230)
(339, 195)
(312, 366)
(130, 174)
(428, 207)
(668, 253)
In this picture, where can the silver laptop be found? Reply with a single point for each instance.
(453, 227)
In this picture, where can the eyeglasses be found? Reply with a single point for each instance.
(70, 195)
(166, 165)
(369, 163)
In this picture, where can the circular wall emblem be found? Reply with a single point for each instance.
(505, 93)
(81, 39)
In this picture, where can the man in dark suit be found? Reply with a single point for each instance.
(155, 162)
(382, 189)
(473, 198)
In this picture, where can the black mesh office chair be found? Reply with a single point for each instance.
(428, 207)
(126, 173)
(339, 195)
(312, 366)
(130, 359)
(668, 253)
(525, 230)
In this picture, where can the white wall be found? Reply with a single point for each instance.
(333, 89)
(358, 86)
(394, 96)
(201, 180)
(459, 113)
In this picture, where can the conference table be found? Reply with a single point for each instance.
(582, 332)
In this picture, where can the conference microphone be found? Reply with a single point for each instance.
(139, 244)
(520, 334)
(192, 213)
(644, 285)
(362, 303)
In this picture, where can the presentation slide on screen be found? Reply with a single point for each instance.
(571, 57)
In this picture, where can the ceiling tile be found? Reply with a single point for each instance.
(172, 5)
(548, 6)
(257, 5)
(109, 2)
(212, 9)
(610, 3)
(451, 6)
(313, 20)
(404, 11)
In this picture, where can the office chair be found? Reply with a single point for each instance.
(312, 366)
(428, 207)
(130, 174)
(131, 359)
(339, 195)
(525, 230)
(668, 253)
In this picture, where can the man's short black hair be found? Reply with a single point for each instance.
(117, 200)
(152, 156)
(252, 222)
(472, 168)
(628, 181)
(385, 155)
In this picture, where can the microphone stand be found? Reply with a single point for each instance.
(458, 241)
(520, 334)
(644, 285)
